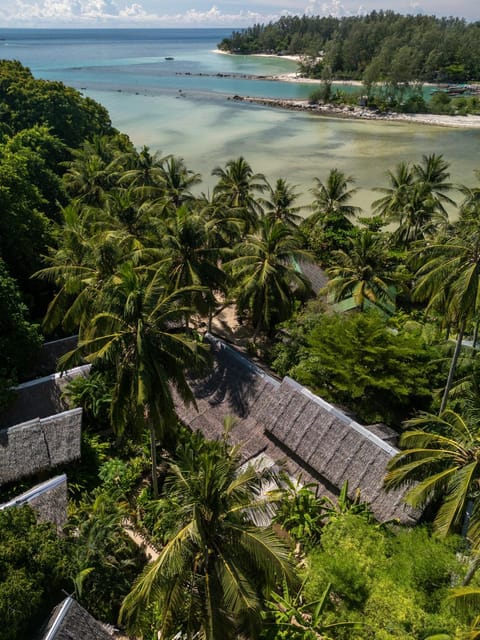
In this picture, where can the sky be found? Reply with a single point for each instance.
(202, 13)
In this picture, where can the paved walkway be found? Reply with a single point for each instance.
(150, 551)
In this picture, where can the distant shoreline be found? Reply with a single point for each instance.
(348, 111)
(295, 58)
(361, 113)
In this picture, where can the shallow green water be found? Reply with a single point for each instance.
(207, 132)
(192, 116)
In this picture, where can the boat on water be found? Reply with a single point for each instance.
(169, 58)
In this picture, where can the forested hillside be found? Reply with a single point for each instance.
(41, 123)
(379, 46)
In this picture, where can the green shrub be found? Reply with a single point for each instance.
(32, 559)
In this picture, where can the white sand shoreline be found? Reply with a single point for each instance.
(361, 113)
(347, 111)
(295, 58)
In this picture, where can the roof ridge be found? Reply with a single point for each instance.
(362, 430)
(35, 491)
(53, 376)
(66, 604)
(41, 421)
(245, 361)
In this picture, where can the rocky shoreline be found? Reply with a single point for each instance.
(363, 113)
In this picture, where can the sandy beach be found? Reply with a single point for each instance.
(348, 111)
(295, 77)
(295, 58)
(361, 113)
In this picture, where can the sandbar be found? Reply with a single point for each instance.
(362, 113)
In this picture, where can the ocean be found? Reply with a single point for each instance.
(184, 106)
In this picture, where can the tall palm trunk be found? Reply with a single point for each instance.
(467, 517)
(472, 569)
(153, 455)
(453, 365)
(475, 333)
(257, 330)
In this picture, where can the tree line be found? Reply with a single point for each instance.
(378, 47)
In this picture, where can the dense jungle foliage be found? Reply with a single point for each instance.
(381, 46)
(120, 246)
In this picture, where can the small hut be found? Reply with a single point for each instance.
(40, 398)
(48, 500)
(39, 445)
(70, 621)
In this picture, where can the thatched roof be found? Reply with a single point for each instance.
(291, 425)
(48, 500)
(316, 275)
(332, 445)
(70, 621)
(47, 360)
(39, 444)
(40, 398)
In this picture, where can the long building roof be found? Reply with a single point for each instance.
(284, 420)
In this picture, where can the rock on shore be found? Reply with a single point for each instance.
(362, 113)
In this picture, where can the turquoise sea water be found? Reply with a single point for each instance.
(156, 103)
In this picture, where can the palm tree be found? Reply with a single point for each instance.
(332, 200)
(137, 335)
(94, 169)
(237, 187)
(268, 280)
(146, 175)
(397, 195)
(191, 259)
(330, 227)
(87, 178)
(81, 267)
(134, 217)
(441, 463)
(363, 271)
(433, 174)
(222, 560)
(471, 195)
(451, 273)
(224, 224)
(279, 204)
(415, 200)
(178, 181)
(420, 219)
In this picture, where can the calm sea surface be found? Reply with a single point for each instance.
(182, 106)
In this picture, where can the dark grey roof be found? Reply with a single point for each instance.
(50, 352)
(70, 621)
(39, 444)
(40, 398)
(316, 275)
(291, 424)
(48, 500)
(385, 433)
(333, 445)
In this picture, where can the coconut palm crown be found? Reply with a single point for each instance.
(440, 462)
(213, 576)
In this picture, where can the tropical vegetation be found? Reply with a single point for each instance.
(382, 45)
(120, 246)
